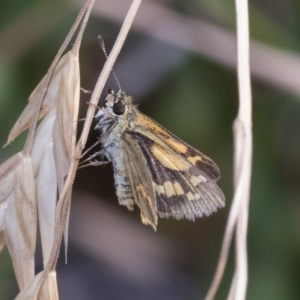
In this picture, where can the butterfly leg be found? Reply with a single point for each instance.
(90, 162)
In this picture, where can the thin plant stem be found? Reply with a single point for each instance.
(238, 216)
(244, 143)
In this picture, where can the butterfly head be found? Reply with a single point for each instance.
(116, 106)
(118, 103)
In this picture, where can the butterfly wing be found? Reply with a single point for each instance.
(139, 177)
(153, 131)
(183, 179)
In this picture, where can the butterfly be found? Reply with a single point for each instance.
(154, 169)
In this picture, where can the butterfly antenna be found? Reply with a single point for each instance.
(102, 45)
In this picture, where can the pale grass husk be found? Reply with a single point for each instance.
(48, 291)
(46, 179)
(30, 180)
(7, 174)
(52, 151)
(20, 222)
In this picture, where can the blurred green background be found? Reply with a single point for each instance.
(179, 64)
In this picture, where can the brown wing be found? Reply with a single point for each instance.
(141, 182)
(148, 127)
(182, 190)
(169, 177)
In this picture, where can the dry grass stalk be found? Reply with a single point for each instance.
(238, 217)
(64, 199)
(29, 180)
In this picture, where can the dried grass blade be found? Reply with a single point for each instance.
(58, 96)
(49, 289)
(46, 199)
(7, 182)
(20, 223)
(30, 290)
(43, 137)
(32, 108)
(64, 136)
(68, 102)
(3, 210)
(6, 169)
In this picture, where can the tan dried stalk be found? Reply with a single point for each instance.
(238, 217)
(63, 205)
(64, 201)
(29, 179)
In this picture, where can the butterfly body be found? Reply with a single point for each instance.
(154, 169)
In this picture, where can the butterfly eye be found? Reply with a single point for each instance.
(119, 108)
